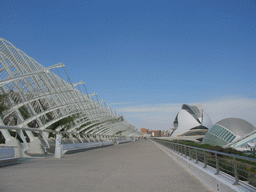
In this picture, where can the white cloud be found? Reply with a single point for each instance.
(161, 116)
(169, 107)
(122, 103)
(244, 108)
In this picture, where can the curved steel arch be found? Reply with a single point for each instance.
(31, 85)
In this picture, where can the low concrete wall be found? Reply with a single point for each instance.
(6, 153)
(122, 141)
(78, 146)
(220, 182)
(7, 156)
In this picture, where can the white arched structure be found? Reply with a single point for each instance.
(189, 119)
(38, 97)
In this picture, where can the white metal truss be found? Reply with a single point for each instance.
(39, 98)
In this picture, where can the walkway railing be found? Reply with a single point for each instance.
(241, 168)
(61, 148)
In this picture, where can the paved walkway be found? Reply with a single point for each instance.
(135, 166)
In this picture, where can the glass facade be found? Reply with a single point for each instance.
(218, 135)
(175, 123)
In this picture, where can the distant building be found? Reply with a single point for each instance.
(148, 133)
(155, 133)
(144, 130)
(165, 133)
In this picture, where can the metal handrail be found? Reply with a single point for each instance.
(229, 163)
(16, 128)
(220, 153)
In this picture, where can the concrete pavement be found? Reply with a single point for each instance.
(135, 166)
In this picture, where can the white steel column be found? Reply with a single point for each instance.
(58, 147)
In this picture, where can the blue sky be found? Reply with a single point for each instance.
(146, 57)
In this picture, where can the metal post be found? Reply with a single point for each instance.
(235, 172)
(205, 160)
(189, 153)
(23, 139)
(6, 134)
(196, 157)
(217, 164)
(185, 151)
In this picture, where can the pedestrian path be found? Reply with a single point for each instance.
(134, 166)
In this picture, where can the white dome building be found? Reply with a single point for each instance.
(229, 131)
(191, 121)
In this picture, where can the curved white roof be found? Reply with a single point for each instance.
(237, 126)
(207, 122)
(185, 122)
(190, 117)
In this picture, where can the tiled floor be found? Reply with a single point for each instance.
(134, 166)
